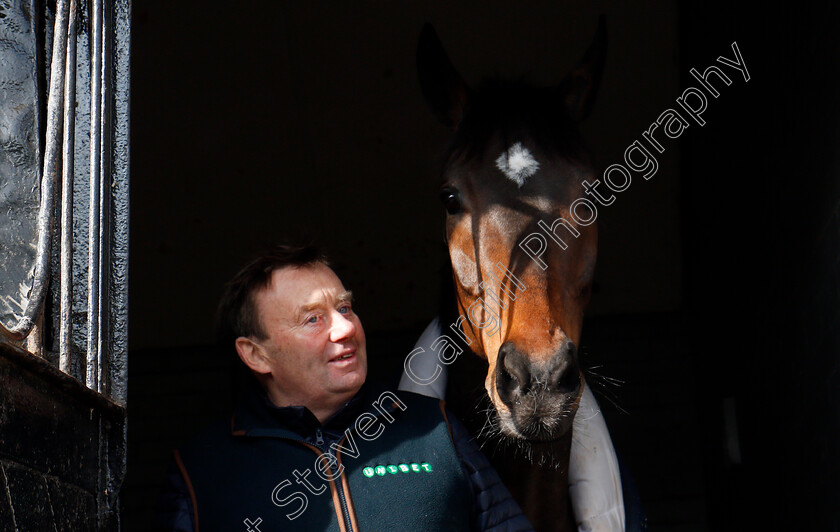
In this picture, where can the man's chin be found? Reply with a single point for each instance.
(350, 383)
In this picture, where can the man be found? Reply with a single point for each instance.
(313, 445)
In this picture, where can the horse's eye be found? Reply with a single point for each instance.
(451, 200)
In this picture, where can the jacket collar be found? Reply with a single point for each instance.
(257, 416)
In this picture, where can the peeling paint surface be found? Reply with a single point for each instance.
(63, 441)
(20, 172)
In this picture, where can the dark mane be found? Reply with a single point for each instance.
(514, 110)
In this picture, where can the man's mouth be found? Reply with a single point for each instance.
(344, 356)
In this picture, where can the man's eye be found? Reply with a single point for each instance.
(312, 319)
(346, 309)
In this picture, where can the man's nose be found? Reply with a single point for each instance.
(342, 327)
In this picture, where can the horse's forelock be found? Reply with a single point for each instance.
(511, 111)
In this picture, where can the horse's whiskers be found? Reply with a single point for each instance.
(601, 385)
(603, 379)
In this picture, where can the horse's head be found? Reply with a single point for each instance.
(522, 250)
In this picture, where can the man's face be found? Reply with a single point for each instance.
(315, 345)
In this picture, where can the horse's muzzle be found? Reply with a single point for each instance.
(540, 395)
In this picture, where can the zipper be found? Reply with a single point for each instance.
(344, 508)
(319, 442)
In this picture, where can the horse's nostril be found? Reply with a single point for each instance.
(564, 376)
(517, 367)
(569, 381)
(503, 376)
(512, 373)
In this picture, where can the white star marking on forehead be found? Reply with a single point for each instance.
(517, 164)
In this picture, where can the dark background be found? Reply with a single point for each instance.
(717, 280)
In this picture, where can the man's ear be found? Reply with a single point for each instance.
(252, 355)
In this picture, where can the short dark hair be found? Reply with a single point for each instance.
(237, 315)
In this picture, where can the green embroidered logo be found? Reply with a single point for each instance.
(381, 470)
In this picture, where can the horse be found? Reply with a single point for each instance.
(522, 252)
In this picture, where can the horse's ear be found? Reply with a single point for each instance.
(444, 89)
(581, 85)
